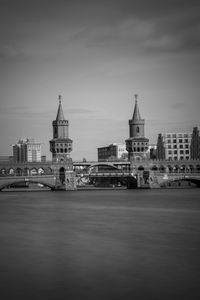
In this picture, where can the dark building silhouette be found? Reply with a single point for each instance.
(195, 144)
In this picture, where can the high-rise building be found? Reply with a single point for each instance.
(114, 151)
(173, 146)
(26, 150)
(137, 144)
(60, 145)
(195, 143)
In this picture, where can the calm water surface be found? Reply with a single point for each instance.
(108, 244)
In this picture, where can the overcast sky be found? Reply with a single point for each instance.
(97, 55)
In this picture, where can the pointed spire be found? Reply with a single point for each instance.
(60, 114)
(136, 113)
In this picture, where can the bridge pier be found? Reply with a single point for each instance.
(70, 180)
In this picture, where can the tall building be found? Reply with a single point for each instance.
(137, 144)
(114, 151)
(173, 146)
(61, 144)
(195, 143)
(26, 150)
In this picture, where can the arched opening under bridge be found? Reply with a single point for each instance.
(62, 175)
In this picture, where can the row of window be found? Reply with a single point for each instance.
(181, 152)
(61, 145)
(139, 149)
(176, 158)
(63, 150)
(174, 135)
(179, 146)
(141, 143)
(177, 141)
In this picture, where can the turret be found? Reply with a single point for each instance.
(137, 144)
(60, 145)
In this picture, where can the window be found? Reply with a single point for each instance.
(181, 152)
(175, 146)
(169, 147)
(180, 140)
(181, 146)
(175, 151)
(186, 146)
(138, 129)
(169, 141)
(174, 140)
(186, 140)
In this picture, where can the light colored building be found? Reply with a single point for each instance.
(115, 151)
(26, 150)
(195, 143)
(174, 146)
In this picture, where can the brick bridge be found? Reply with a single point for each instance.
(155, 173)
(45, 180)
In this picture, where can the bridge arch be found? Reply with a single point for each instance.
(49, 182)
(26, 171)
(33, 171)
(191, 168)
(140, 168)
(162, 168)
(154, 168)
(48, 170)
(102, 164)
(170, 168)
(3, 171)
(18, 172)
(198, 168)
(62, 175)
(41, 171)
(11, 171)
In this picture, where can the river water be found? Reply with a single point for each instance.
(105, 244)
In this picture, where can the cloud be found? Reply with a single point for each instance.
(147, 27)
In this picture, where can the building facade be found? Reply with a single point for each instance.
(137, 144)
(115, 151)
(173, 146)
(61, 144)
(27, 150)
(195, 143)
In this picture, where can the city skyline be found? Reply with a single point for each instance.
(97, 55)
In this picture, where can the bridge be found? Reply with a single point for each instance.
(153, 173)
(46, 180)
(168, 179)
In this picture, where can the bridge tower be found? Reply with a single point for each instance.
(137, 144)
(61, 146)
